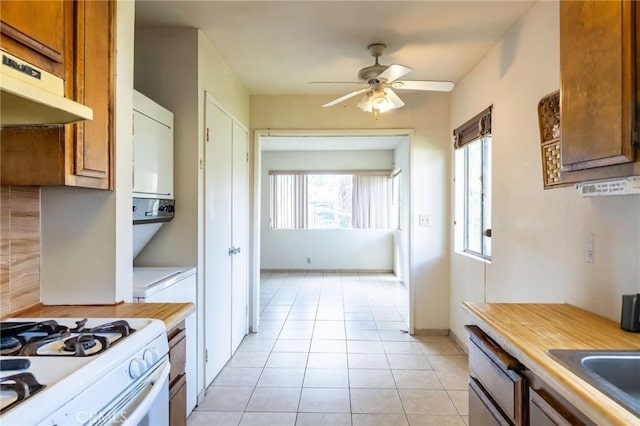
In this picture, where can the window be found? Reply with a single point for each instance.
(473, 186)
(331, 200)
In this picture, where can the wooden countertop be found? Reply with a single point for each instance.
(528, 330)
(171, 313)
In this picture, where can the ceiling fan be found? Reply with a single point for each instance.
(381, 79)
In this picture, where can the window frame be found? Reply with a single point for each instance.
(485, 179)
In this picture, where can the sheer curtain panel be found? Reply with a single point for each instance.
(372, 201)
(288, 201)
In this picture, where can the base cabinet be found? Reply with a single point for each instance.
(502, 391)
(177, 376)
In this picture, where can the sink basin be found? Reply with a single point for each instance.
(614, 373)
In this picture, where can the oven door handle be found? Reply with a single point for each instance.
(157, 382)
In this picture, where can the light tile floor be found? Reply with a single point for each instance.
(331, 352)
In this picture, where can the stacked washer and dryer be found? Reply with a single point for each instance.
(153, 206)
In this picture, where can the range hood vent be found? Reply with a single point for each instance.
(30, 96)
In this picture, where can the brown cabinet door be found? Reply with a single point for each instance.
(597, 62)
(34, 32)
(93, 78)
(178, 402)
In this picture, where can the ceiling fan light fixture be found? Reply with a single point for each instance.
(380, 101)
(365, 103)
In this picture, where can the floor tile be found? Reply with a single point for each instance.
(287, 360)
(407, 348)
(363, 335)
(323, 419)
(327, 360)
(364, 347)
(248, 359)
(285, 345)
(250, 344)
(379, 420)
(384, 401)
(460, 400)
(373, 379)
(434, 420)
(238, 376)
(295, 333)
(281, 377)
(360, 325)
(268, 419)
(373, 361)
(427, 402)
(448, 362)
(453, 380)
(408, 362)
(390, 325)
(274, 399)
(395, 336)
(222, 398)
(214, 418)
(416, 379)
(321, 400)
(439, 348)
(333, 346)
(326, 378)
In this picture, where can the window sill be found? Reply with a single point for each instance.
(473, 256)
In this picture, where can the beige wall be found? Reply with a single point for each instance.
(428, 115)
(539, 236)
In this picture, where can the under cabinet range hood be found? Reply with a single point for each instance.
(30, 96)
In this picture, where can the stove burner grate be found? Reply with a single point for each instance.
(81, 343)
(23, 385)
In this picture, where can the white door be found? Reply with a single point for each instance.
(217, 230)
(240, 237)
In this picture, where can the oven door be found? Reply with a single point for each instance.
(145, 403)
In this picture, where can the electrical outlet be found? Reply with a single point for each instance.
(589, 248)
(424, 220)
(308, 260)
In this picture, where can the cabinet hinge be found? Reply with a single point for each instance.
(207, 134)
(206, 355)
(247, 157)
(634, 139)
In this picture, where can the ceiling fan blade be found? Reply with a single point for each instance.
(337, 82)
(394, 100)
(345, 97)
(393, 72)
(436, 86)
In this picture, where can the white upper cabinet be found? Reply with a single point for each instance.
(152, 149)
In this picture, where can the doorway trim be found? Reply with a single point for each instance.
(254, 314)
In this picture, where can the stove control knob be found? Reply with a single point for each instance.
(137, 367)
(151, 355)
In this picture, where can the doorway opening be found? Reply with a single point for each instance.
(375, 256)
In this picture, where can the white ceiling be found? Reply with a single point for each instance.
(278, 47)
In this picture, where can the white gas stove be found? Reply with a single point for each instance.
(70, 371)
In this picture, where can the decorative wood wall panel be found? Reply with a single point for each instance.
(19, 248)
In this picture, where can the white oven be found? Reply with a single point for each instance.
(84, 373)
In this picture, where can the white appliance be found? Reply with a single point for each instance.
(31, 96)
(177, 285)
(100, 371)
(152, 149)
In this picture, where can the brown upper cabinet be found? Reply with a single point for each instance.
(598, 93)
(34, 32)
(78, 154)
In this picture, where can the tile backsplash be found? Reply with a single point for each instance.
(19, 248)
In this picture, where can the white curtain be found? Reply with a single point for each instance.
(288, 201)
(372, 201)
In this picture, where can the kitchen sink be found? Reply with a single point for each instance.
(614, 373)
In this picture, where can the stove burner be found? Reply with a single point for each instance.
(9, 344)
(83, 341)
